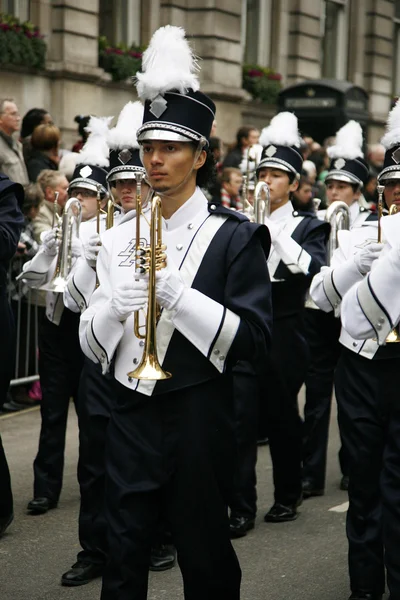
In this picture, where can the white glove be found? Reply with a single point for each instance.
(274, 229)
(50, 243)
(92, 249)
(129, 297)
(169, 286)
(76, 247)
(366, 256)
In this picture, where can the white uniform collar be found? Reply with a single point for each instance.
(283, 212)
(187, 211)
(354, 211)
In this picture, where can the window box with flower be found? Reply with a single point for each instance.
(121, 61)
(263, 83)
(21, 43)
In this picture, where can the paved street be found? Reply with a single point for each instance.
(305, 559)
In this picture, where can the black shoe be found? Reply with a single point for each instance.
(41, 505)
(344, 483)
(279, 513)
(365, 596)
(239, 526)
(163, 557)
(81, 573)
(310, 489)
(5, 522)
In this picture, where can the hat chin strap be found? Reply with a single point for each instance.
(200, 146)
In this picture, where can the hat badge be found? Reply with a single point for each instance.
(124, 156)
(86, 171)
(339, 163)
(396, 155)
(158, 106)
(270, 151)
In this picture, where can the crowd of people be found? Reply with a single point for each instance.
(243, 313)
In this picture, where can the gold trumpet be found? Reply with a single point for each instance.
(149, 259)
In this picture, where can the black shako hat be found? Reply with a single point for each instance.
(174, 108)
(287, 158)
(354, 171)
(124, 164)
(347, 160)
(391, 142)
(179, 117)
(89, 177)
(391, 164)
(281, 144)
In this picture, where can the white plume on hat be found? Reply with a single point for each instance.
(95, 151)
(168, 64)
(348, 143)
(282, 131)
(392, 135)
(123, 135)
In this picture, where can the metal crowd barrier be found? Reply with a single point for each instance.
(25, 310)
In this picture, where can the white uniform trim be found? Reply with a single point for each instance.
(333, 296)
(374, 311)
(279, 253)
(219, 350)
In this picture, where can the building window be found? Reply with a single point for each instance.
(334, 39)
(18, 8)
(256, 31)
(120, 21)
(396, 56)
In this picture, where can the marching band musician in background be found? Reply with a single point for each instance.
(60, 356)
(356, 373)
(170, 449)
(370, 310)
(11, 224)
(347, 174)
(298, 251)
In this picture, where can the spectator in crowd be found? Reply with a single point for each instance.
(246, 136)
(45, 141)
(50, 183)
(376, 156)
(33, 118)
(229, 193)
(302, 198)
(83, 122)
(11, 157)
(20, 295)
(369, 191)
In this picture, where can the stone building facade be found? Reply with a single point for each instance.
(354, 40)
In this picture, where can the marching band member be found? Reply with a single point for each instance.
(370, 310)
(355, 389)
(96, 391)
(347, 174)
(170, 445)
(11, 224)
(298, 251)
(60, 357)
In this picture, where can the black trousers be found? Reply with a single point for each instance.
(96, 397)
(60, 364)
(282, 381)
(7, 359)
(246, 400)
(171, 456)
(322, 334)
(369, 418)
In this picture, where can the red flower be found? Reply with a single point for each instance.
(117, 51)
(255, 73)
(275, 76)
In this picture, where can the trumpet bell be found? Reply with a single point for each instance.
(58, 284)
(149, 369)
